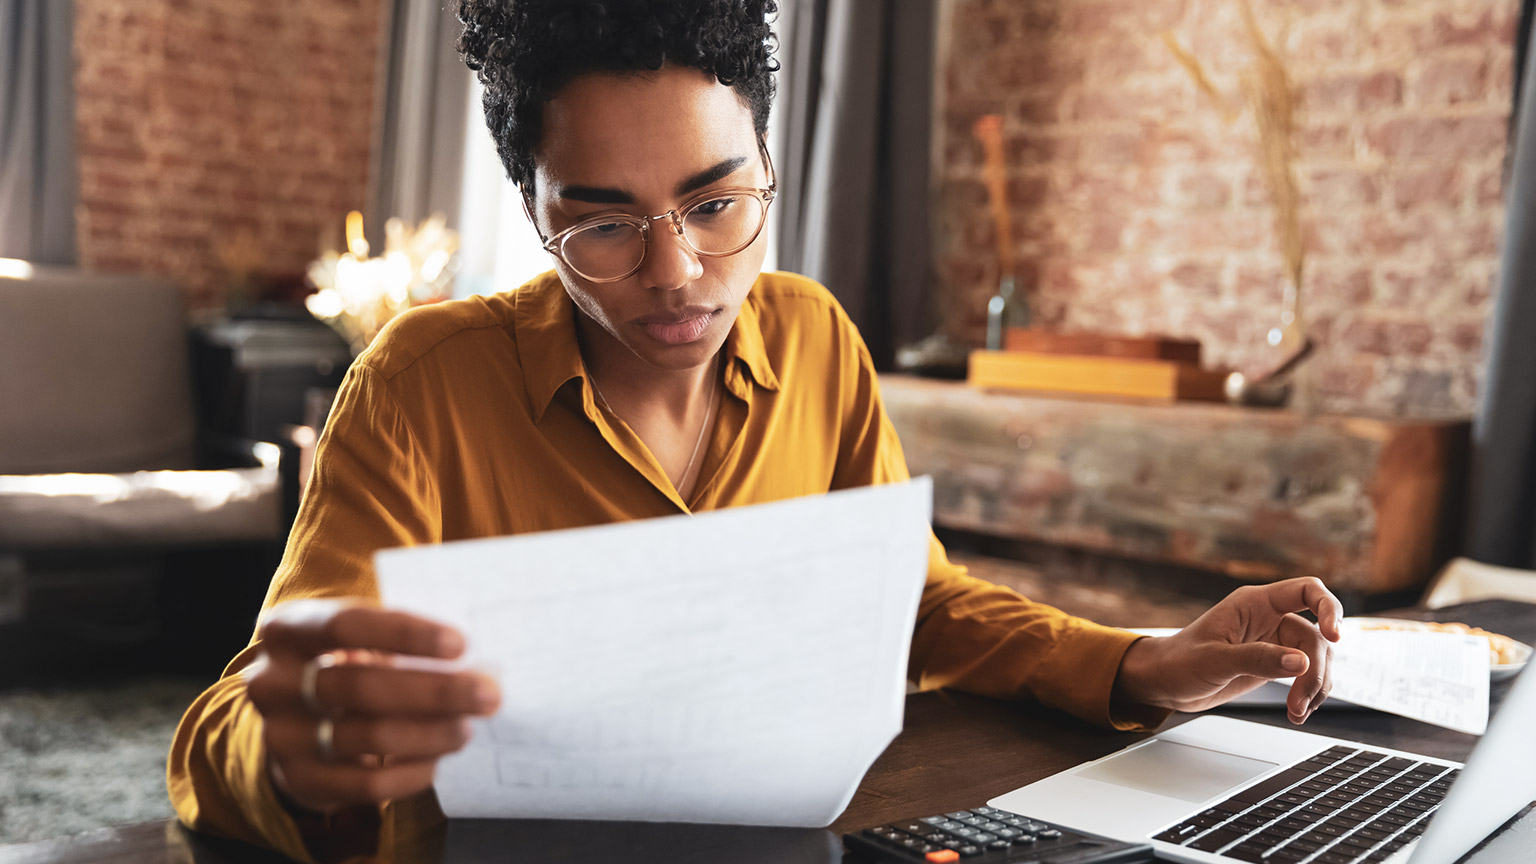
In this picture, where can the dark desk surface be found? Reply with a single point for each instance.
(956, 751)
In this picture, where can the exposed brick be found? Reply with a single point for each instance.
(1336, 285)
(1442, 137)
(1157, 217)
(1436, 184)
(1203, 279)
(1490, 187)
(1345, 93)
(1340, 187)
(1201, 189)
(1450, 80)
(227, 114)
(1387, 337)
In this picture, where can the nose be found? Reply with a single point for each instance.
(669, 262)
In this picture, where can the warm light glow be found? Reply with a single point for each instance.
(356, 244)
(15, 268)
(206, 490)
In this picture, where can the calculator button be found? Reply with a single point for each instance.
(974, 820)
(1007, 833)
(936, 837)
(932, 820)
(991, 826)
(958, 814)
(913, 827)
(965, 832)
(982, 838)
(998, 845)
(969, 851)
(943, 856)
(1048, 834)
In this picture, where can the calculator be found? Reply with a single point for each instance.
(985, 835)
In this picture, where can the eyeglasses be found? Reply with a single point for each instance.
(716, 224)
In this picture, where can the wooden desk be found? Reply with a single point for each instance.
(956, 751)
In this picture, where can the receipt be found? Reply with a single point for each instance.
(1439, 678)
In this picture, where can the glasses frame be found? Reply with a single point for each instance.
(674, 217)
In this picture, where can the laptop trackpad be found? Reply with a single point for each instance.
(1176, 770)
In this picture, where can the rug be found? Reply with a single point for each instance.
(79, 758)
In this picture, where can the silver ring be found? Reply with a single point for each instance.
(309, 679)
(325, 739)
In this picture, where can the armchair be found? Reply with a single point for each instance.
(126, 538)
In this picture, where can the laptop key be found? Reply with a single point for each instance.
(1269, 786)
(1215, 840)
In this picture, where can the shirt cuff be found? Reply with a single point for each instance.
(1078, 676)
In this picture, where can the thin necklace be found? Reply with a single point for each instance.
(708, 410)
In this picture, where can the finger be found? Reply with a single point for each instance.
(314, 626)
(1299, 633)
(1263, 660)
(385, 690)
(327, 786)
(1306, 593)
(293, 736)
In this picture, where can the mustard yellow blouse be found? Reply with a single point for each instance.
(476, 418)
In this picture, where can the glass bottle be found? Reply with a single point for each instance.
(1006, 309)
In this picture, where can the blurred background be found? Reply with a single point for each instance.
(1169, 295)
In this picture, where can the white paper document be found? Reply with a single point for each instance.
(1439, 678)
(742, 666)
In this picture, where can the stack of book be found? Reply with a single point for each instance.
(1150, 368)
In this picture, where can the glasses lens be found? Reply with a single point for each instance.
(725, 223)
(604, 250)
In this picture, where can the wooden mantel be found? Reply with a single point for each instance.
(1257, 494)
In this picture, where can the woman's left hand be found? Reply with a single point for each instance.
(1250, 637)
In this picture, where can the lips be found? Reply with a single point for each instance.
(678, 326)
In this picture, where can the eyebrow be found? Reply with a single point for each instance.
(601, 195)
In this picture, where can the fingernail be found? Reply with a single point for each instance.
(449, 643)
(485, 694)
(1293, 662)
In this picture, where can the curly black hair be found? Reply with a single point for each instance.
(524, 51)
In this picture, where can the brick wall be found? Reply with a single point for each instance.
(218, 136)
(1138, 210)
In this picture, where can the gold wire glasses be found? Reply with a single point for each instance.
(715, 224)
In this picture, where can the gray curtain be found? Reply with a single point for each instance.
(1502, 529)
(418, 164)
(857, 89)
(37, 131)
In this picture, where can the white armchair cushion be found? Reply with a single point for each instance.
(141, 508)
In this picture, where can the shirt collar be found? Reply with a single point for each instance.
(545, 329)
(745, 345)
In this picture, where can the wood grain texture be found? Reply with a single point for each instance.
(1256, 494)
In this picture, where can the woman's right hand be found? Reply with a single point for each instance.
(388, 723)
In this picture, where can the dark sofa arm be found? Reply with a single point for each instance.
(227, 451)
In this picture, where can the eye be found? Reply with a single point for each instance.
(715, 206)
(604, 228)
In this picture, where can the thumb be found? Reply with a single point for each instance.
(1263, 660)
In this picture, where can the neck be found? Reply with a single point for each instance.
(623, 381)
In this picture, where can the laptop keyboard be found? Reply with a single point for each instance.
(1342, 806)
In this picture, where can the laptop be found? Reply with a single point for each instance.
(1218, 790)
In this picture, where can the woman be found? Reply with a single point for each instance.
(655, 371)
